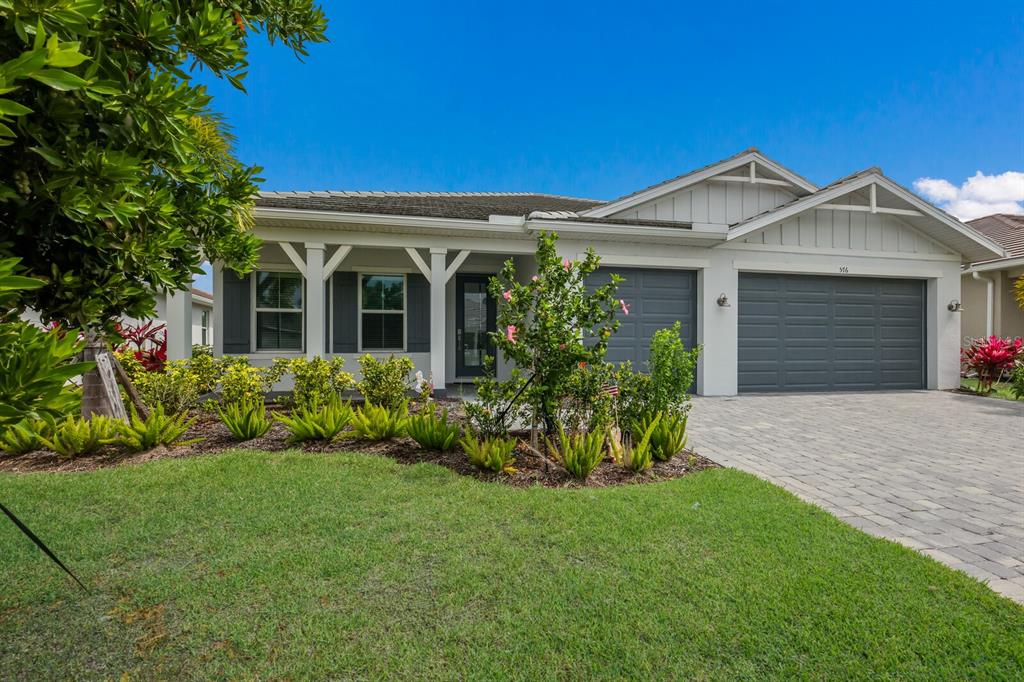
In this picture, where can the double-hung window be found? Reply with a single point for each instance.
(204, 327)
(279, 320)
(382, 312)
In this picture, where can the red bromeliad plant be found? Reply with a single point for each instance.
(990, 357)
(147, 341)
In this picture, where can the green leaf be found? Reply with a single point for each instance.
(66, 58)
(59, 79)
(51, 156)
(12, 108)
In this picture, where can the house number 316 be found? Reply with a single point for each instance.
(844, 269)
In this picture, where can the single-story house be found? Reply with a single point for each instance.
(988, 299)
(199, 325)
(787, 285)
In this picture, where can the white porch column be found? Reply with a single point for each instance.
(217, 323)
(438, 285)
(179, 325)
(717, 326)
(315, 322)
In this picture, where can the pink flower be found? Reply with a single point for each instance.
(507, 295)
(535, 278)
(625, 307)
(567, 264)
(510, 333)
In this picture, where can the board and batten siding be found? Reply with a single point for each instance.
(711, 202)
(854, 230)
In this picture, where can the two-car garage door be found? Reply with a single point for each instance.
(813, 333)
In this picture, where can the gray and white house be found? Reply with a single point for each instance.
(789, 286)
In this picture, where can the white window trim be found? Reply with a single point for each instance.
(255, 310)
(204, 326)
(405, 306)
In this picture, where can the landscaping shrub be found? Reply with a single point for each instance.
(587, 403)
(668, 436)
(158, 428)
(79, 436)
(633, 456)
(672, 369)
(634, 400)
(385, 381)
(579, 453)
(377, 422)
(490, 453)
(245, 420)
(206, 370)
(147, 342)
(25, 436)
(989, 358)
(1017, 379)
(549, 326)
(432, 431)
(316, 381)
(242, 382)
(314, 422)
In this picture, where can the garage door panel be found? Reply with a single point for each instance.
(829, 333)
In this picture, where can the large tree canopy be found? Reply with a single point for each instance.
(116, 177)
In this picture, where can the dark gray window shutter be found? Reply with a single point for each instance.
(345, 312)
(417, 314)
(237, 312)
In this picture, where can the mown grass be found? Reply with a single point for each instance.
(290, 565)
(1000, 389)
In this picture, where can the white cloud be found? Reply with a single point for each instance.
(979, 195)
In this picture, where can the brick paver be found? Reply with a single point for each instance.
(939, 472)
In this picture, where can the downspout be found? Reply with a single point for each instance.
(990, 300)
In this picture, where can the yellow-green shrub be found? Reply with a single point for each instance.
(78, 436)
(385, 381)
(432, 431)
(579, 453)
(316, 381)
(490, 453)
(314, 422)
(376, 422)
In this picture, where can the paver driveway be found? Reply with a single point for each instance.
(940, 472)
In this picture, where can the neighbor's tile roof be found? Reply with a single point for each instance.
(1004, 229)
(467, 205)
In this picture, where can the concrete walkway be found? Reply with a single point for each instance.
(939, 472)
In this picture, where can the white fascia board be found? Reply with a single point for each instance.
(203, 301)
(694, 178)
(623, 232)
(826, 195)
(1003, 264)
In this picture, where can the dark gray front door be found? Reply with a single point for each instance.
(656, 299)
(811, 333)
(475, 314)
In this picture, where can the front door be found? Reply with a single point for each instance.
(475, 315)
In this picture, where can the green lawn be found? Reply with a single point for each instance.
(1000, 389)
(290, 565)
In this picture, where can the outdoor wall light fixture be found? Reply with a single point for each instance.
(954, 306)
(723, 301)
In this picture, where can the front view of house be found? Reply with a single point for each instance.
(788, 286)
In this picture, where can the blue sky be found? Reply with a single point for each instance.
(599, 99)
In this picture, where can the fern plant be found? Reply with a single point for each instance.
(432, 431)
(634, 456)
(25, 436)
(490, 453)
(158, 428)
(380, 423)
(246, 419)
(313, 422)
(669, 435)
(78, 436)
(579, 453)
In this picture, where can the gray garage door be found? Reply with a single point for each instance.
(808, 333)
(656, 299)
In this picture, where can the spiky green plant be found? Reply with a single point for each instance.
(25, 436)
(634, 456)
(431, 430)
(669, 435)
(245, 420)
(158, 428)
(490, 453)
(317, 423)
(579, 453)
(79, 436)
(373, 422)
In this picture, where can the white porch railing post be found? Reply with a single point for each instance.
(438, 286)
(217, 324)
(315, 322)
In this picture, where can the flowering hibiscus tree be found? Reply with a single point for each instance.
(549, 326)
(990, 357)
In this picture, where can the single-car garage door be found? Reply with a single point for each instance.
(656, 299)
(810, 333)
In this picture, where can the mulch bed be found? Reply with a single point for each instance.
(531, 468)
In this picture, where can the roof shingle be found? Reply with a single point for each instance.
(1004, 229)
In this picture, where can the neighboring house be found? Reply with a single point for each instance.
(788, 286)
(989, 304)
(201, 316)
